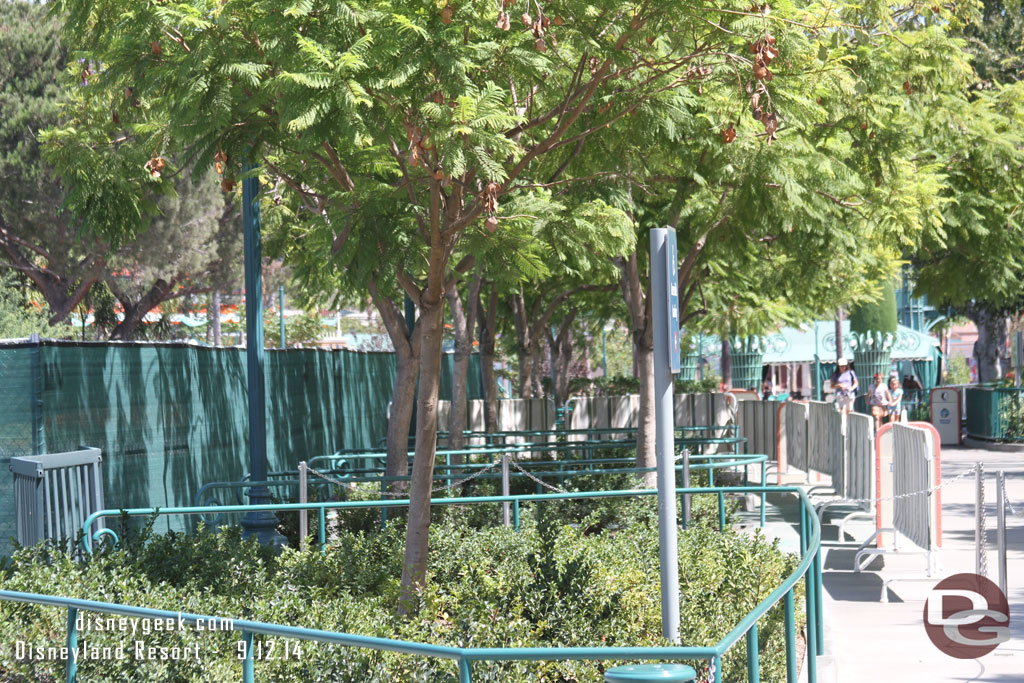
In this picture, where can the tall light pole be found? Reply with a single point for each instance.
(665, 314)
(262, 525)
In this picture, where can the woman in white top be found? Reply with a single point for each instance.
(879, 399)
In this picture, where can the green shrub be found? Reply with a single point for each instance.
(876, 316)
(551, 583)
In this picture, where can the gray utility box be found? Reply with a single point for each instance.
(54, 493)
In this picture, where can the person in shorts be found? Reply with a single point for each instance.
(895, 400)
(844, 383)
(879, 399)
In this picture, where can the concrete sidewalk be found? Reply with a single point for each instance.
(867, 640)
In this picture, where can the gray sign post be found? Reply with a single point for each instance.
(665, 311)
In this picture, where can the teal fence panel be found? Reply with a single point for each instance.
(16, 427)
(171, 417)
(995, 413)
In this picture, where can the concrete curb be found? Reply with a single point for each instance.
(1001, 447)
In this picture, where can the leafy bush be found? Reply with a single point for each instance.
(549, 584)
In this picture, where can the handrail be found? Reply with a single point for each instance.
(809, 568)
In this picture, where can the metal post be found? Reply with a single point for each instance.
(700, 356)
(665, 439)
(980, 567)
(37, 396)
(248, 664)
(303, 514)
(263, 525)
(790, 623)
(280, 301)
(505, 511)
(817, 365)
(753, 665)
(1001, 527)
(71, 674)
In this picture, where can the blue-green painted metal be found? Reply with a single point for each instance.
(640, 673)
(753, 663)
(262, 525)
(248, 663)
(810, 542)
(71, 673)
(790, 626)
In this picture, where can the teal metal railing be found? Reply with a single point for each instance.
(995, 413)
(809, 568)
(716, 461)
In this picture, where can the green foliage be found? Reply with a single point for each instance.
(550, 583)
(21, 315)
(305, 328)
(876, 316)
(958, 371)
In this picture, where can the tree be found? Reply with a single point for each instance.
(175, 253)
(971, 261)
(434, 117)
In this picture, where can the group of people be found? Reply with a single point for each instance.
(884, 398)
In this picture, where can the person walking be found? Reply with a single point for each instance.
(844, 383)
(879, 399)
(895, 400)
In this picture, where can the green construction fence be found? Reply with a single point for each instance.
(171, 417)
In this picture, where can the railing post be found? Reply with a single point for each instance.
(810, 588)
(1001, 527)
(980, 563)
(790, 624)
(248, 665)
(303, 498)
(764, 482)
(721, 508)
(72, 667)
(515, 514)
(753, 665)
(505, 488)
(465, 670)
(322, 524)
(819, 620)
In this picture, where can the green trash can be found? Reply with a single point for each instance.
(747, 356)
(637, 673)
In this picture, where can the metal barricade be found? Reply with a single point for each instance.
(55, 493)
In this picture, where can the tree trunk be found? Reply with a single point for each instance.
(134, 312)
(487, 318)
(403, 392)
(536, 366)
(414, 567)
(639, 307)
(726, 362)
(988, 349)
(214, 316)
(563, 358)
(463, 322)
(645, 436)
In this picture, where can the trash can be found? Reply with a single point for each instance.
(944, 405)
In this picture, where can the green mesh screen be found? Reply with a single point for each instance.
(16, 426)
(172, 417)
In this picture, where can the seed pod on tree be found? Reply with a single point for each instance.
(540, 45)
(491, 223)
(446, 14)
(527, 21)
(155, 48)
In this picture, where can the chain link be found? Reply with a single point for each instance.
(1009, 505)
(515, 463)
(391, 494)
(928, 491)
(983, 535)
